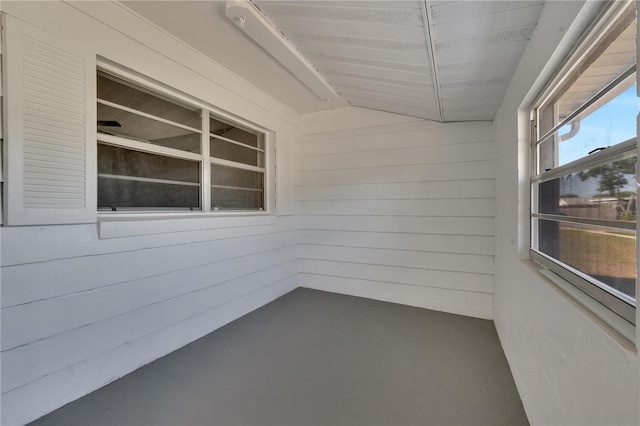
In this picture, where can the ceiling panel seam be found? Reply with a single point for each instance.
(435, 73)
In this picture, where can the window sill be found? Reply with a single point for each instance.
(119, 225)
(620, 330)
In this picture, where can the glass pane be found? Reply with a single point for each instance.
(236, 199)
(122, 123)
(229, 176)
(228, 131)
(606, 62)
(125, 162)
(606, 254)
(611, 121)
(117, 194)
(606, 192)
(128, 178)
(127, 94)
(230, 151)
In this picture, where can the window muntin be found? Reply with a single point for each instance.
(234, 151)
(152, 154)
(241, 188)
(583, 217)
(118, 91)
(605, 123)
(603, 192)
(114, 121)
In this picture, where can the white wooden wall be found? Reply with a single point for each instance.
(80, 310)
(569, 368)
(398, 210)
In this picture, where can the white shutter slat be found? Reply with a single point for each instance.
(51, 128)
(284, 177)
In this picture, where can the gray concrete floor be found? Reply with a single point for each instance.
(316, 358)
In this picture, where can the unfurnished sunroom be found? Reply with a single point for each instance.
(170, 167)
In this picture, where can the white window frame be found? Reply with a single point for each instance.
(203, 158)
(616, 310)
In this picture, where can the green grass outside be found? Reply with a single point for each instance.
(599, 252)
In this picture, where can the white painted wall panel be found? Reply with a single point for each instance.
(85, 304)
(398, 211)
(406, 136)
(401, 190)
(476, 304)
(437, 243)
(569, 369)
(482, 207)
(454, 153)
(58, 351)
(452, 280)
(410, 224)
(25, 283)
(411, 259)
(85, 307)
(53, 390)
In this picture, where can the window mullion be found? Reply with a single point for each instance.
(206, 164)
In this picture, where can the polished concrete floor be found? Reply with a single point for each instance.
(316, 358)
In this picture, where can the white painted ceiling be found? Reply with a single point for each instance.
(444, 61)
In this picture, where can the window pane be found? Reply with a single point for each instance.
(228, 131)
(127, 94)
(612, 120)
(606, 254)
(125, 124)
(128, 178)
(120, 161)
(239, 178)
(606, 192)
(118, 194)
(604, 65)
(230, 151)
(236, 199)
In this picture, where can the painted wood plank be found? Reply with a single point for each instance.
(484, 169)
(411, 259)
(26, 283)
(478, 305)
(407, 139)
(24, 364)
(417, 225)
(462, 244)
(41, 396)
(402, 275)
(455, 207)
(63, 314)
(38, 244)
(421, 155)
(397, 191)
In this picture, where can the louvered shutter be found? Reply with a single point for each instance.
(284, 177)
(51, 128)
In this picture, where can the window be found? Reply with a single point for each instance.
(583, 185)
(156, 153)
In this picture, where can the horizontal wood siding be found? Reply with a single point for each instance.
(62, 313)
(400, 212)
(84, 304)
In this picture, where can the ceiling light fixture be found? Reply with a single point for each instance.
(253, 24)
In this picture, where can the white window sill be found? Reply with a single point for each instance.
(620, 330)
(119, 225)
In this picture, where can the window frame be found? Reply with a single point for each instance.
(203, 158)
(623, 308)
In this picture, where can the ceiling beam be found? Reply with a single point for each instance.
(254, 25)
(426, 17)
